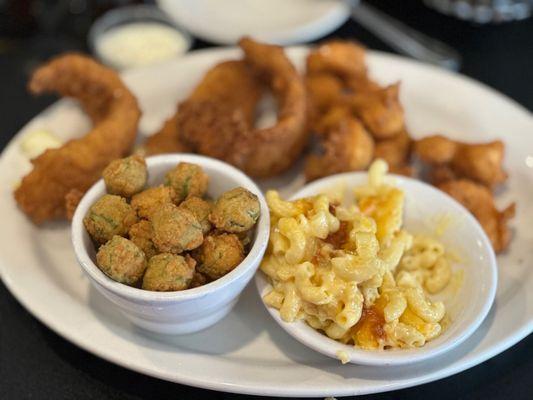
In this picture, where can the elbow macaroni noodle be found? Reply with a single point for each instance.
(352, 272)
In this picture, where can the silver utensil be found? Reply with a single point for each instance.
(404, 39)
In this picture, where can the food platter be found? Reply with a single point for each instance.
(248, 352)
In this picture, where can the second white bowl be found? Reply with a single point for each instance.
(425, 206)
(188, 310)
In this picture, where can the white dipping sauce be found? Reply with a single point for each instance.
(140, 43)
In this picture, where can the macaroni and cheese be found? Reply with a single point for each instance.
(351, 271)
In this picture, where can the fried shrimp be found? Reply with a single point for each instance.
(218, 118)
(395, 151)
(479, 201)
(480, 162)
(79, 162)
(343, 58)
(347, 147)
(380, 110)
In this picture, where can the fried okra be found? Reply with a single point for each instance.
(111, 215)
(218, 255)
(141, 234)
(198, 279)
(121, 260)
(200, 209)
(175, 229)
(187, 180)
(237, 210)
(146, 202)
(125, 176)
(168, 272)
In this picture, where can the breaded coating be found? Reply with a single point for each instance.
(395, 151)
(149, 200)
(274, 149)
(141, 234)
(121, 260)
(347, 147)
(236, 210)
(168, 273)
(323, 90)
(79, 162)
(218, 255)
(200, 209)
(480, 162)
(440, 174)
(479, 201)
(332, 118)
(218, 117)
(175, 229)
(343, 58)
(380, 110)
(198, 279)
(110, 216)
(220, 109)
(165, 140)
(72, 199)
(187, 180)
(126, 176)
(435, 150)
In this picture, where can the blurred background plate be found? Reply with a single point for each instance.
(275, 21)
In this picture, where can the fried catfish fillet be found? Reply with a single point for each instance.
(218, 118)
(165, 140)
(220, 112)
(79, 162)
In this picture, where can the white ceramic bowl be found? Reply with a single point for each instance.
(425, 206)
(184, 311)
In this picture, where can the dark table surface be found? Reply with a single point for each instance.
(37, 363)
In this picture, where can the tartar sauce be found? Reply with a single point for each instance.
(140, 43)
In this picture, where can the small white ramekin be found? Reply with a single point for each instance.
(184, 311)
(427, 210)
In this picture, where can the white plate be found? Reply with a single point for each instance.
(275, 21)
(248, 352)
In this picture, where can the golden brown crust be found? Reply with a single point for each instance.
(220, 111)
(435, 150)
(342, 58)
(72, 199)
(217, 119)
(479, 201)
(347, 147)
(79, 162)
(380, 110)
(165, 140)
(395, 151)
(481, 162)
